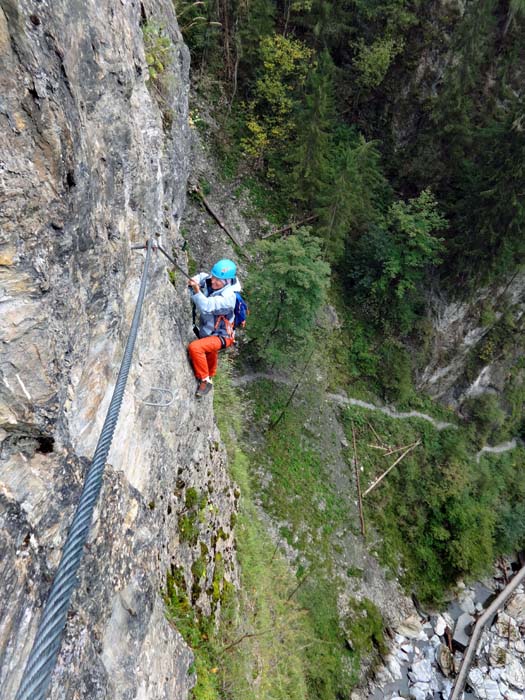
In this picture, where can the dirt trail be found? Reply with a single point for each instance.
(343, 400)
(346, 401)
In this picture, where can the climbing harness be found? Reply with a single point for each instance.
(43, 655)
(228, 326)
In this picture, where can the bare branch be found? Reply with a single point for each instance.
(379, 479)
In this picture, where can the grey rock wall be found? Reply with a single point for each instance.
(458, 331)
(92, 160)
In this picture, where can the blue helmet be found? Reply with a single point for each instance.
(224, 269)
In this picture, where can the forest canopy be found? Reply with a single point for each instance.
(350, 109)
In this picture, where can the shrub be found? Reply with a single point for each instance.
(286, 288)
(486, 414)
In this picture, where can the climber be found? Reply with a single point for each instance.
(214, 298)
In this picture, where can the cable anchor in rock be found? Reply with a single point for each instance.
(164, 404)
(156, 246)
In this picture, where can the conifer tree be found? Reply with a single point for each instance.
(255, 20)
(489, 212)
(310, 158)
(286, 288)
(352, 197)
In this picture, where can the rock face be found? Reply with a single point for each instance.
(93, 159)
(457, 331)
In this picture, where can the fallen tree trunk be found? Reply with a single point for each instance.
(478, 628)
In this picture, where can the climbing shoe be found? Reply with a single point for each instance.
(203, 388)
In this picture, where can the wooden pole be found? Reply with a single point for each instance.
(358, 482)
(478, 628)
(289, 227)
(379, 440)
(197, 190)
(379, 479)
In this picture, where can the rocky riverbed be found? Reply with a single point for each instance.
(426, 653)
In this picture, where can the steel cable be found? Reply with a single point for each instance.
(43, 655)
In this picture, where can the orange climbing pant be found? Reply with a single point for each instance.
(204, 355)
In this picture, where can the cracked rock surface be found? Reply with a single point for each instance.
(93, 160)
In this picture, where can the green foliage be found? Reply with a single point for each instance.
(196, 631)
(262, 632)
(284, 65)
(312, 86)
(469, 145)
(504, 339)
(394, 372)
(310, 157)
(268, 633)
(300, 480)
(413, 246)
(388, 262)
(331, 666)
(255, 22)
(441, 513)
(510, 528)
(490, 211)
(192, 497)
(265, 200)
(188, 528)
(159, 52)
(373, 61)
(191, 516)
(514, 395)
(486, 413)
(286, 287)
(365, 628)
(158, 49)
(199, 26)
(354, 192)
(300, 494)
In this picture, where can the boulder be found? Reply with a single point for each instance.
(445, 660)
(457, 659)
(466, 602)
(463, 630)
(449, 620)
(484, 687)
(516, 608)
(497, 654)
(513, 673)
(507, 628)
(383, 677)
(446, 687)
(421, 671)
(509, 693)
(519, 647)
(439, 625)
(495, 673)
(394, 667)
(435, 641)
(420, 691)
(403, 656)
(411, 627)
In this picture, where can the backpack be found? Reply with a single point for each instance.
(241, 311)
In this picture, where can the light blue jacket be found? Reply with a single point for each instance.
(211, 305)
